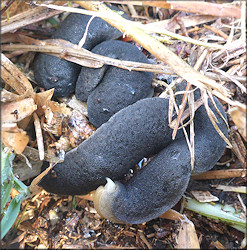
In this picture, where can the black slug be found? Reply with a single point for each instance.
(110, 89)
(53, 72)
(107, 89)
(137, 131)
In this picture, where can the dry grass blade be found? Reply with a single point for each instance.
(238, 189)
(216, 108)
(186, 113)
(212, 117)
(191, 102)
(241, 86)
(238, 147)
(189, 21)
(181, 110)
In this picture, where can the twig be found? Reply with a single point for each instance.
(7, 5)
(220, 174)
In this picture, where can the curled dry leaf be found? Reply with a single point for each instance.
(16, 111)
(79, 128)
(14, 138)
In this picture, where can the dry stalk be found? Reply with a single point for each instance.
(89, 59)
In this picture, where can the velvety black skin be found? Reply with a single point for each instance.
(53, 72)
(110, 89)
(138, 131)
(140, 199)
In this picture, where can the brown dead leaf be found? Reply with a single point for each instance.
(16, 111)
(14, 138)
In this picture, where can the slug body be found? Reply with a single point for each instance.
(137, 131)
(53, 72)
(107, 89)
(110, 89)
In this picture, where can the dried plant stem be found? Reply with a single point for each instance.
(220, 174)
(82, 53)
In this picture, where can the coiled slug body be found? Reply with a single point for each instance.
(137, 131)
(107, 89)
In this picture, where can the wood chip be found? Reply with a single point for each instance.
(204, 196)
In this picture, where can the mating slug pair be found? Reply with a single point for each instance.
(131, 126)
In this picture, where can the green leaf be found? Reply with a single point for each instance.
(20, 186)
(5, 193)
(225, 214)
(10, 215)
(6, 165)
